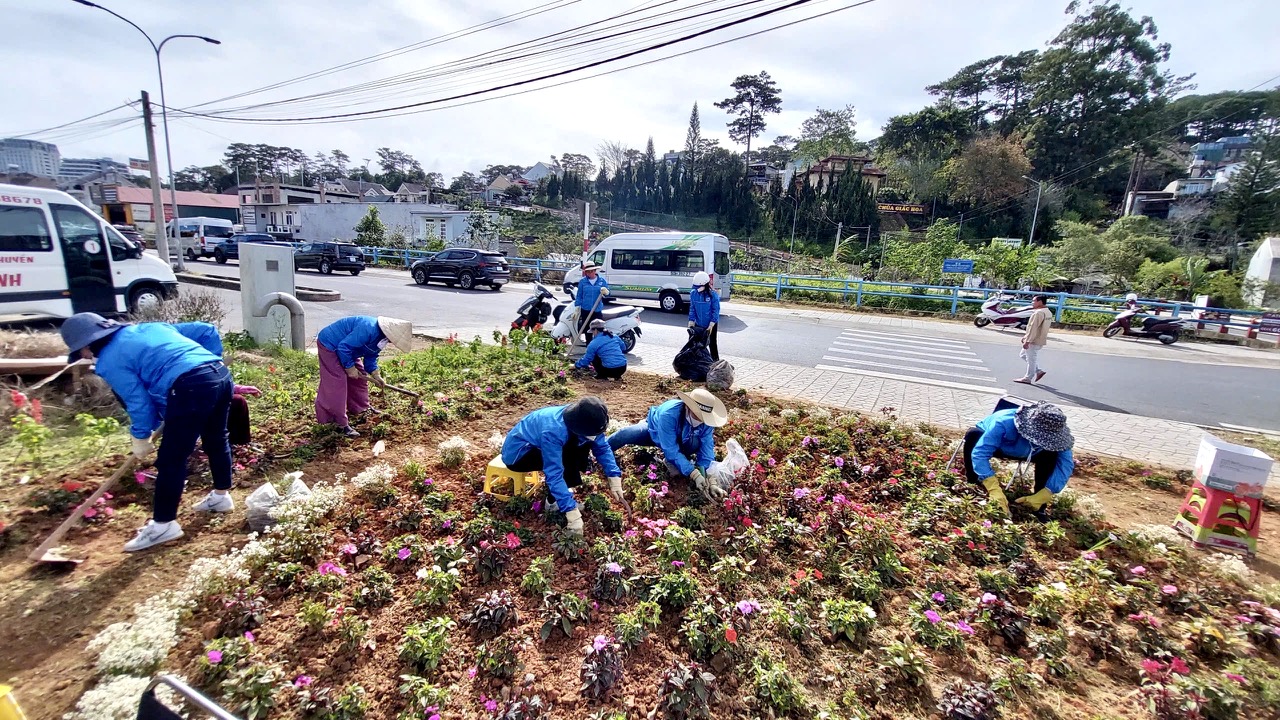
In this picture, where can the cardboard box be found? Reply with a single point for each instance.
(1236, 469)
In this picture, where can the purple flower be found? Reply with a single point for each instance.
(537, 506)
(471, 672)
(1138, 570)
(1169, 589)
(988, 598)
(492, 705)
(677, 563)
(404, 553)
(866, 469)
(328, 568)
(248, 636)
(348, 549)
(939, 598)
(214, 656)
(772, 462)
(986, 523)
(614, 568)
(446, 524)
(746, 607)
(800, 493)
(839, 462)
(932, 617)
(839, 499)
(600, 642)
(805, 442)
(1089, 555)
(963, 627)
(303, 681)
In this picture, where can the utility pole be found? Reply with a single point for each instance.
(157, 204)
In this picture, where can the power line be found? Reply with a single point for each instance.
(67, 124)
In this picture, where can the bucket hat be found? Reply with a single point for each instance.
(81, 330)
(709, 409)
(1044, 425)
(586, 417)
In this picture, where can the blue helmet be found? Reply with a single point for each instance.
(82, 329)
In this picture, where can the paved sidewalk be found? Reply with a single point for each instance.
(1148, 440)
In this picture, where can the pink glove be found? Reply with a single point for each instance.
(246, 390)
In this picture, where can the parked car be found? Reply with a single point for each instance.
(463, 267)
(329, 256)
(229, 249)
(131, 233)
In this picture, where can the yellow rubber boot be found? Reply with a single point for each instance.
(1036, 500)
(996, 493)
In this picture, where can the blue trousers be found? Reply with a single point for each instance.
(196, 408)
(638, 434)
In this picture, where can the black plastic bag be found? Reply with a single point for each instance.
(694, 359)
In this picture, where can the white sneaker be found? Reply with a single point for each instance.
(154, 533)
(214, 502)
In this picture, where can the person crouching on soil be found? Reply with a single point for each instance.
(558, 441)
(606, 353)
(1033, 433)
(682, 428)
(161, 376)
(349, 351)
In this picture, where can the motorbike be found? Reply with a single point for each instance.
(536, 311)
(1164, 329)
(992, 313)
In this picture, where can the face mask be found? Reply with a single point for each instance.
(382, 343)
(693, 419)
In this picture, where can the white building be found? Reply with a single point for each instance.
(418, 222)
(73, 169)
(539, 171)
(273, 207)
(1264, 269)
(29, 156)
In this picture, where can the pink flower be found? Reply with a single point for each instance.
(303, 681)
(1176, 665)
(214, 657)
(755, 454)
(248, 636)
(1244, 619)
(839, 499)
(1138, 570)
(404, 553)
(746, 607)
(631, 533)
(986, 523)
(1151, 667)
(772, 462)
(492, 705)
(600, 642)
(866, 469)
(139, 477)
(932, 617)
(328, 568)
(614, 568)
(677, 563)
(939, 598)
(513, 541)
(963, 627)
(471, 672)
(1169, 589)
(90, 514)
(1089, 555)
(348, 549)
(1237, 678)
(839, 462)
(988, 598)
(931, 475)
(805, 442)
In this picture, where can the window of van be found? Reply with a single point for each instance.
(120, 245)
(641, 260)
(219, 231)
(24, 229)
(722, 263)
(597, 257)
(690, 261)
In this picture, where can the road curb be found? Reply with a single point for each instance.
(302, 293)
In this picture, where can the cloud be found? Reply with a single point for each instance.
(77, 61)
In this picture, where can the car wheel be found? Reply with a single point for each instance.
(669, 300)
(326, 267)
(982, 321)
(467, 281)
(420, 276)
(191, 255)
(495, 287)
(145, 297)
(220, 258)
(628, 341)
(355, 272)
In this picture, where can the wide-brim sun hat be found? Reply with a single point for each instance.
(709, 409)
(82, 329)
(1044, 425)
(596, 324)
(587, 416)
(399, 332)
(588, 265)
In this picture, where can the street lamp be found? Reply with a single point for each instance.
(1035, 214)
(164, 114)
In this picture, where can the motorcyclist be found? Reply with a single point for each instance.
(1131, 301)
(681, 428)
(606, 353)
(1035, 433)
(558, 441)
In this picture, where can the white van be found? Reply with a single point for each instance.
(659, 266)
(199, 236)
(58, 258)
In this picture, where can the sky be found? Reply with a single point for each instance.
(65, 61)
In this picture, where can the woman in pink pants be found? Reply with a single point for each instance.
(349, 360)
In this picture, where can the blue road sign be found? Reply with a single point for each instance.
(956, 265)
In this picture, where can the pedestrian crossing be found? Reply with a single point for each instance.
(926, 359)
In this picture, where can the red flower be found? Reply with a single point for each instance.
(800, 574)
(271, 368)
(37, 412)
(72, 485)
(971, 545)
(731, 635)
(1176, 665)
(18, 398)
(817, 574)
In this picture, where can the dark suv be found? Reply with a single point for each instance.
(229, 249)
(464, 267)
(329, 256)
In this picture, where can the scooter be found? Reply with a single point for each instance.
(992, 313)
(622, 320)
(1164, 329)
(534, 312)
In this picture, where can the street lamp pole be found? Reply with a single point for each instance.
(1035, 214)
(164, 115)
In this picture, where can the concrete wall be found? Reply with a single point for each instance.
(416, 221)
(1264, 267)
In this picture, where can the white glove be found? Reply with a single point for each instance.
(604, 291)
(574, 524)
(615, 490)
(709, 490)
(142, 447)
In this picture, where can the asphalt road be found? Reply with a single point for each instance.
(1192, 383)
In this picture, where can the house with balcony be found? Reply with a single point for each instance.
(824, 173)
(1208, 158)
(761, 175)
(412, 193)
(273, 207)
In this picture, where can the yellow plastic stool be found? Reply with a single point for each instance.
(498, 475)
(9, 709)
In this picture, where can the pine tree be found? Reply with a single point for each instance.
(693, 142)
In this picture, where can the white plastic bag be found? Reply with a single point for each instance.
(723, 472)
(261, 501)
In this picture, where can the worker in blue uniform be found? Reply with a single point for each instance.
(207, 335)
(558, 441)
(682, 428)
(592, 290)
(704, 311)
(1035, 433)
(162, 376)
(606, 353)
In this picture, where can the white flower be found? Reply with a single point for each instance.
(1228, 566)
(1059, 586)
(1086, 506)
(1157, 535)
(495, 440)
(138, 647)
(820, 413)
(788, 414)
(116, 698)
(454, 452)
(375, 476)
(615, 425)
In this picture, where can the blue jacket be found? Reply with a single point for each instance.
(587, 293)
(141, 364)
(672, 431)
(544, 429)
(609, 348)
(204, 334)
(1000, 435)
(704, 307)
(352, 338)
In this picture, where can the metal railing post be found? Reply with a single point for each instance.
(1062, 303)
(778, 296)
(858, 301)
(955, 300)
